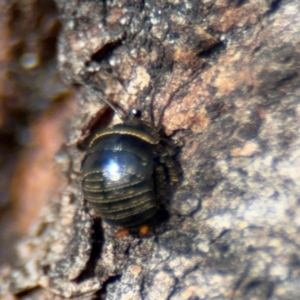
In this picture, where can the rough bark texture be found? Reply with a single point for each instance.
(222, 77)
(32, 110)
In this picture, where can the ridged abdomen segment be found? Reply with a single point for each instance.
(117, 180)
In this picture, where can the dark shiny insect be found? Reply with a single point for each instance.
(127, 171)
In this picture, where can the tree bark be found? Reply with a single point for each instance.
(222, 79)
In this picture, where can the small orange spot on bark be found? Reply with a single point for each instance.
(121, 233)
(136, 270)
(144, 229)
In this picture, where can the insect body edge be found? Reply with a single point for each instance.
(117, 175)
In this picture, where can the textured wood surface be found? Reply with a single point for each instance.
(222, 78)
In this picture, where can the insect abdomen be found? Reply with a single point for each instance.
(117, 179)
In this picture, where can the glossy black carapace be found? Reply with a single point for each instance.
(126, 172)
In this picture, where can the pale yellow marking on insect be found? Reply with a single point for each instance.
(124, 132)
(91, 173)
(92, 180)
(112, 188)
(123, 207)
(122, 197)
(132, 192)
(123, 216)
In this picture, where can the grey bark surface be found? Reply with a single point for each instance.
(222, 77)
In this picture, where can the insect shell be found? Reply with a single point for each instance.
(126, 172)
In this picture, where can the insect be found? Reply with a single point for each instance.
(127, 171)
